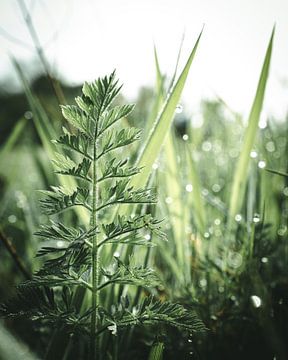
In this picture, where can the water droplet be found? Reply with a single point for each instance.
(285, 191)
(203, 283)
(185, 137)
(155, 166)
(168, 200)
(216, 187)
(221, 289)
(197, 121)
(282, 230)
(276, 154)
(116, 254)
(217, 221)
(206, 146)
(261, 164)
(234, 259)
(206, 235)
(147, 236)
(253, 154)
(190, 340)
(262, 124)
(264, 260)
(256, 218)
(189, 187)
(256, 301)
(12, 219)
(60, 243)
(205, 192)
(28, 115)
(218, 232)
(270, 146)
(179, 109)
(238, 217)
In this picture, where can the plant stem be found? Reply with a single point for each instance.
(12, 251)
(95, 257)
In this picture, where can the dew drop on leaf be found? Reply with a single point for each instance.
(179, 109)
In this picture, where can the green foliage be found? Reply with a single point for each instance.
(72, 255)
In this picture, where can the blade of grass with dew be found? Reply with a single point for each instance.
(195, 194)
(151, 149)
(158, 132)
(174, 192)
(241, 172)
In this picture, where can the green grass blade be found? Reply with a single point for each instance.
(11, 348)
(14, 136)
(195, 195)
(160, 129)
(241, 172)
(47, 133)
(281, 173)
(156, 352)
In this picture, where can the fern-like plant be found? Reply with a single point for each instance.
(73, 257)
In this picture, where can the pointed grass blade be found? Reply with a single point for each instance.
(241, 172)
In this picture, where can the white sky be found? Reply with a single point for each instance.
(96, 36)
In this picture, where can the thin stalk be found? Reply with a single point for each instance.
(40, 52)
(12, 251)
(95, 255)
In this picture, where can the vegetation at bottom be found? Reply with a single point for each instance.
(174, 246)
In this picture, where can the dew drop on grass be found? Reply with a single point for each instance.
(282, 230)
(179, 109)
(12, 219)
(256, 301)
(216, 187)
(235, 259)
(264, 260)
(205, 192)
(206, 146)
(155, 166)
(256, 218)
(217, 222)
(238, 217)
(206, 235)
(185, 137)
(270, 146)
(168, 200)
(189, 188)
(116, 254)
(285, 191)
(203, 283)
(28, 115)
(253, 154)
(60, 243)
(218, 232)
(147, 237)
(261, 164)
(262, 124)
